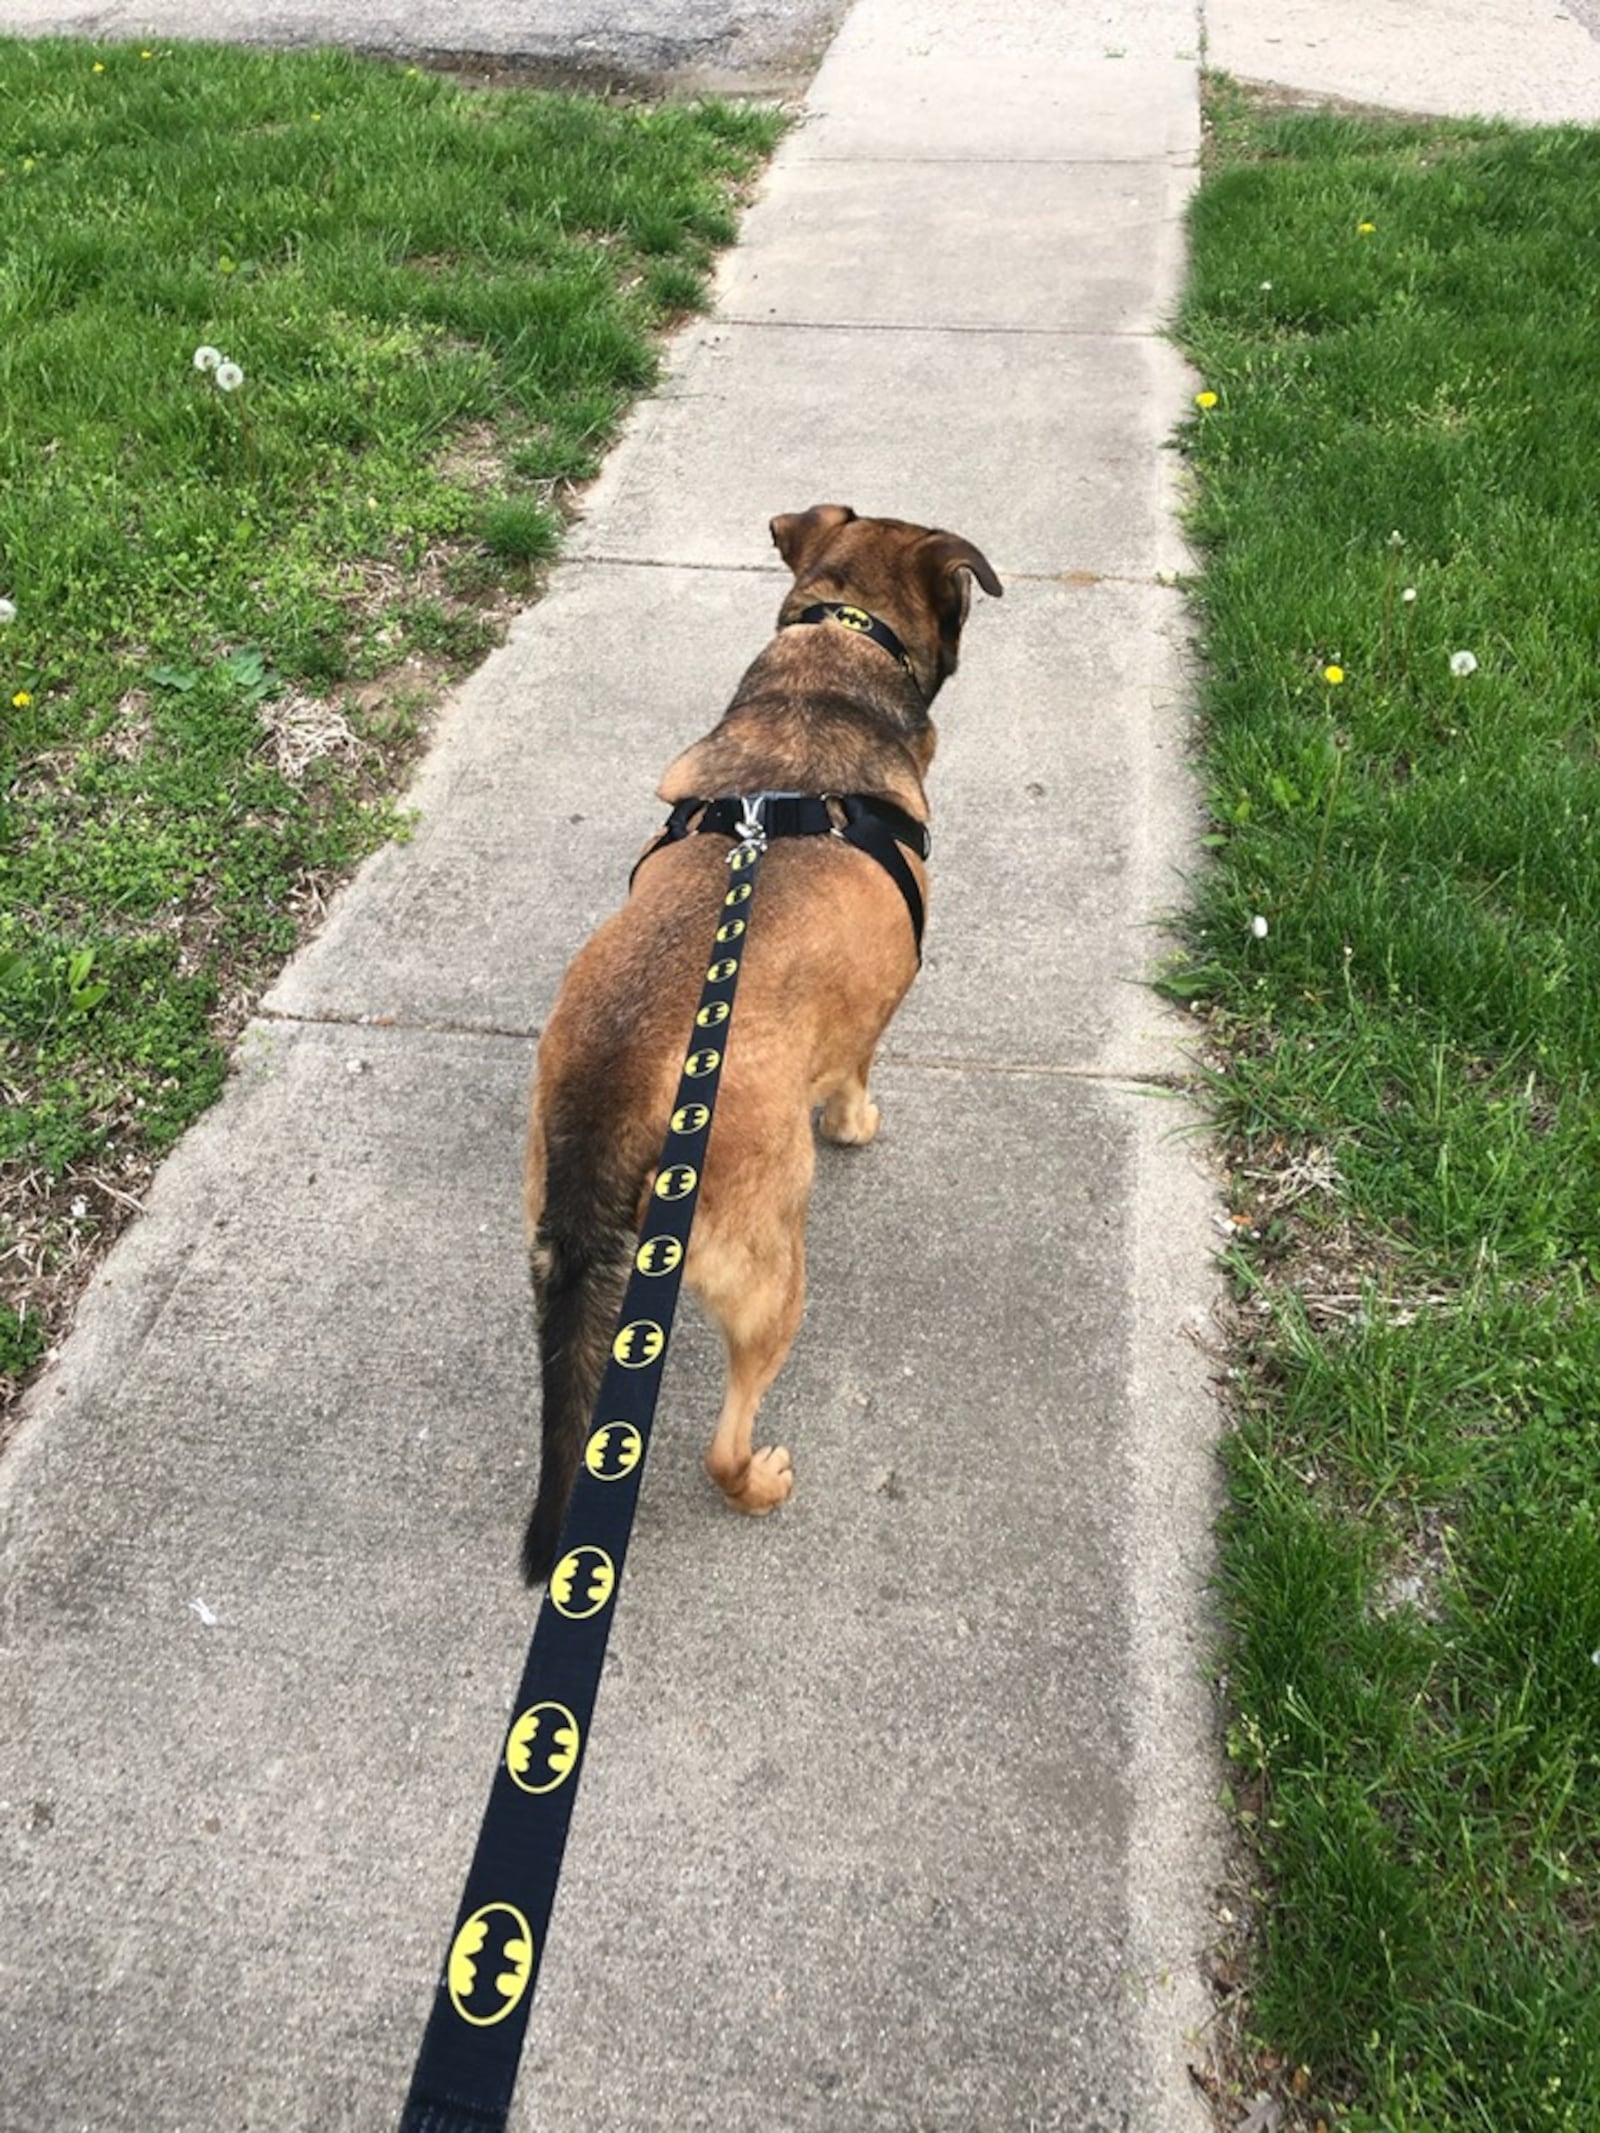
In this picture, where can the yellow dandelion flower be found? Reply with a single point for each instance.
(21, 700)
(1206, 399)
(99, 66)
(1365, 229)
(1333, 674)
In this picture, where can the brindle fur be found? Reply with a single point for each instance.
(827, 961)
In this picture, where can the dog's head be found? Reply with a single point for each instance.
(915, 578)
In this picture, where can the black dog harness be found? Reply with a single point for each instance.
(876, 827)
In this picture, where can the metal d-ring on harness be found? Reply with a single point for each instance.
(467, 2067)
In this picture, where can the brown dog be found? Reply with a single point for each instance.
(826, 709)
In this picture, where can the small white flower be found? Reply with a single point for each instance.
(1266, 285)
(1409, 594)
(8, 610)
(1462, 664)
(1397, 539)
(1258, 926)
(207, 358)
(228, 376)
(80, 1207)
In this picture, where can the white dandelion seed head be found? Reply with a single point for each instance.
(1258, 926)
(8, 610)
(1397, 539)
(229, 375)
(1266, 285)
(1409, 594)
(207, 358)
(1462, 664)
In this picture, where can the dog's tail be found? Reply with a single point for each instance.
(580, 1257)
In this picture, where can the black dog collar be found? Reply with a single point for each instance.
(864, 625)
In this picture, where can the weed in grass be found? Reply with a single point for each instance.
(519, 530)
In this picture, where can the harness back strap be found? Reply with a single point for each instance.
(874, 826)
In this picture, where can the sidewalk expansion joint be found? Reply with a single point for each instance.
(1169, 159)
(917, 1062)
(926, 327)
(774, 571)
(401, 1025)
(1175, 1082)
(1076, 580)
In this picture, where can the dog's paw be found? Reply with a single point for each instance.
(850, 1124)
(768, 1481)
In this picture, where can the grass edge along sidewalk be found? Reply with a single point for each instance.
(301, 356)
(1396, 953)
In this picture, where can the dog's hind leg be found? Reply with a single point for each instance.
(849, 1116)
(755, 1290)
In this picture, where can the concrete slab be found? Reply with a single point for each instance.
(877, 109)
(762, 46)
(1062, 801)
(1059, 793)
(288, 1396)
(1021, 32)
(1089, 248)
(855, 1841)
(1536, 61)
(1047, 446)
(537, 796)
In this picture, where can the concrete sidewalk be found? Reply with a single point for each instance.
(898, 1810)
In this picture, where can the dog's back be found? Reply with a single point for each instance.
(829, 956)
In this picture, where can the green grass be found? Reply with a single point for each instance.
(1408, 1082)
(442, 302)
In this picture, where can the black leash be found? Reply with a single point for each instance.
(467, 2067)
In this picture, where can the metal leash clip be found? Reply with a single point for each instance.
(749, 829)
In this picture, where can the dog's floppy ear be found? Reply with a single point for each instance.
(797, 535)
(945, 554)
(948, 564)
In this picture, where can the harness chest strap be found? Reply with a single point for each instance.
(874, 826)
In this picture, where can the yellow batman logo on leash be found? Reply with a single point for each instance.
(490, 1963)
(542, 1748)
(659, 1255)
(613, 1452)
(582, 1583)
(640, 1341)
